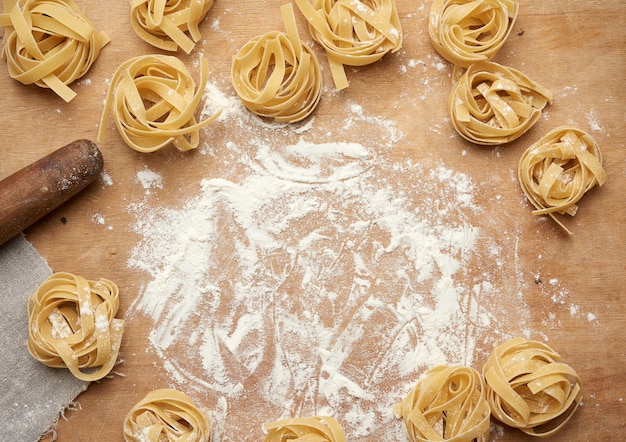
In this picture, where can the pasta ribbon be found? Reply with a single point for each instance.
(72, 324)
(153, 100)
(448, 404)
(304, 429)
(353, 32)
(166, 415)
(468, 31)
(49, 43)
(169, 24)
(276, 76)
(529, 386)
(492, 104)
(557, 171)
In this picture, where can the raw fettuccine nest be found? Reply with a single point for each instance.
(492, 104)
(153, 100)
(169, 24)
(166, 415)
(468, 31)
(49, 43)
(276, 76)
(311, 429)
(353, 32)
(72, 324)
(448, 404)
(530, 387)
(557, 171)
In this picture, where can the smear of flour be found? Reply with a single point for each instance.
(323, 279)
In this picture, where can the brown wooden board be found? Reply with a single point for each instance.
(567, 290)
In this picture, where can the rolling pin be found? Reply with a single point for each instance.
(44, 185)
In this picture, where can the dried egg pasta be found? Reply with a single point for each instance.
(557, 171)
(169, 24)
(49, 43)
(166, 415)
(466, 31)
(492, 104)
(72, 324)
(153, 100)
(353, 32)
(276, 76)
(448, 404)
(529, 386)
(305, 429)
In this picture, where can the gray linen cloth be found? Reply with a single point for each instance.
(33, 395)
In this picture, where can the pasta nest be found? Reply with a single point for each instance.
(557, 171)
(313, 429)
(166, 415)
(153, 100)
(169, 24)
(353, 32)
(448, 404)
(49, 43)
(492, 104)
(469, 31)
(72, 324)
(528, 386)
(276, 76)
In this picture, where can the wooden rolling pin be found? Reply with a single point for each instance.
(41, 187)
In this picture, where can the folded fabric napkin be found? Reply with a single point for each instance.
(33, 395)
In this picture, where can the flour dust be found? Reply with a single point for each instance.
(321, 278)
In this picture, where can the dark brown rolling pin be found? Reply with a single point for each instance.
(41, 187)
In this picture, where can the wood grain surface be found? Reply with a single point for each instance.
(573, 47)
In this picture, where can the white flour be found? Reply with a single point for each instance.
(149, 179)
(318, 277)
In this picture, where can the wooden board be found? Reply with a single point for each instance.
(568, 288)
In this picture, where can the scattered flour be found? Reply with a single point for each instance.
(315, 282)
(433, 63)
(106, 179)
(569, 90)
(100, 220)
(149, 180)
(592, 120)
(591, 317)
